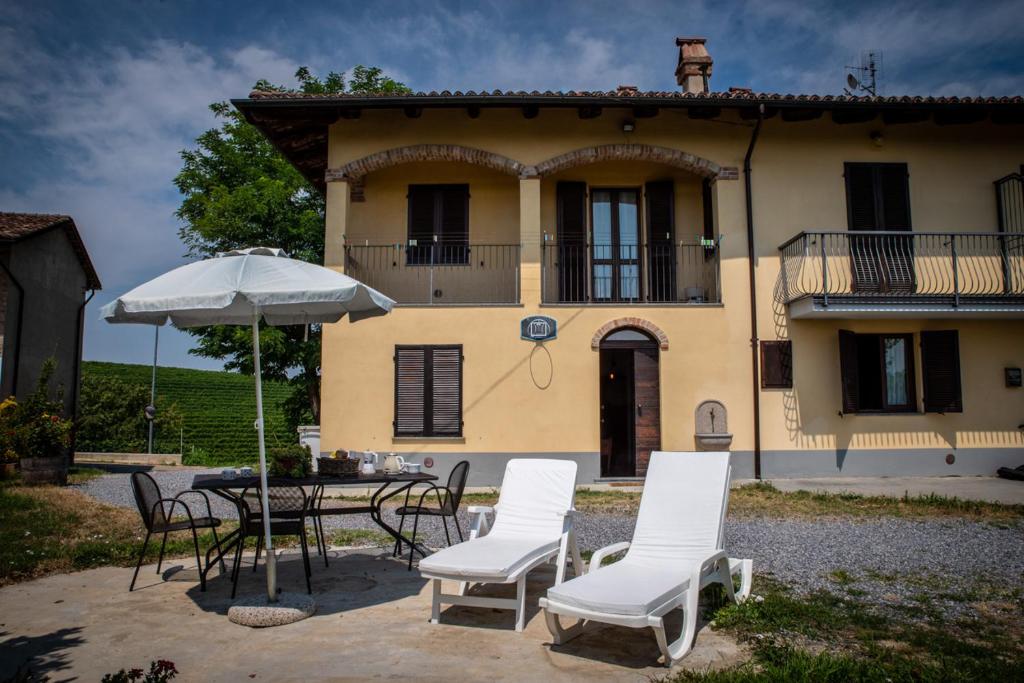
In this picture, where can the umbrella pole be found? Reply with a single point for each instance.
(265, 499)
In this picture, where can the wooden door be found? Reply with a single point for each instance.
(647, 398)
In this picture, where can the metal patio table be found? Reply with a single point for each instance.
(231, 490)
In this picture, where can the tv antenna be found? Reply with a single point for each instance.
(869, 69)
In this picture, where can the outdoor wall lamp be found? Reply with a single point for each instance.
(877, 138)
(628, 126)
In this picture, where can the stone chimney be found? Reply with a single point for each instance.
(694, 68)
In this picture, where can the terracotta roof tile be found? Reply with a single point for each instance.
(18, 226)
(737, 94)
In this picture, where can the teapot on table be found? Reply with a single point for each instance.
(393, 464)
(370, 462)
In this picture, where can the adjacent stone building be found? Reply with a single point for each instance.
(46, 279)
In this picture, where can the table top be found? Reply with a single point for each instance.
(216, 481)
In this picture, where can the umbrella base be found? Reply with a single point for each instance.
(258, 612)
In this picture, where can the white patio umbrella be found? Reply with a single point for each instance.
(238, 288)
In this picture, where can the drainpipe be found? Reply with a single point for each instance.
(17, 336)
(77, 381)
(754, 342)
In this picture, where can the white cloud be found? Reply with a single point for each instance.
(115, 122)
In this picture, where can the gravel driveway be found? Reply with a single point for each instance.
(941, 565)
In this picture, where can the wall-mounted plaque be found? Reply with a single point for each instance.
(538, 328)
(1013, 378)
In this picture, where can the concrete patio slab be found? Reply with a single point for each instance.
(371, 622)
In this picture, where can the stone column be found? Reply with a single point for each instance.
(529, 239)
(337, 224)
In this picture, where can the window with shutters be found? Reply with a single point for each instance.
(940, 371)
(428, 390)
(571, 255)
(661, 259)
(877, 372)
(438, 225)
(777, 364)
(878, 200)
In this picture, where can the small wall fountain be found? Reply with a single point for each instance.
(712, 427)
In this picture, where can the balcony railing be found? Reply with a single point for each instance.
(948, 269)
(630, 274)
(438, 274)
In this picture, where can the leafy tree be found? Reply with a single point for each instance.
(239, 192)
(112, 418)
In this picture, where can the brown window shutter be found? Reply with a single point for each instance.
(570, 255)
(453, 226)
(848, 371)
(661, 270)
(777, 364)
(940, 364)
(421, 213)
(860, 197)
(894, 191)
(708, 208)
(572, 212)
(446, 391)
(660, 212)
(410, 394)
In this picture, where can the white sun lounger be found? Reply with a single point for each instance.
(533, 524)
(676, 550)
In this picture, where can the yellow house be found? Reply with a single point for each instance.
(826, 286)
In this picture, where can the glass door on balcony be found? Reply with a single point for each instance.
(615, 248)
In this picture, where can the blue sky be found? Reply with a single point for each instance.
(100, 97)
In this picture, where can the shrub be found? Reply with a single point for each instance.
(160, 671)
(293, 461)
(35, 428)
(113, 416)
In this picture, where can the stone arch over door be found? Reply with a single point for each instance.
(627, 152)
(355, 170)
(638, 323)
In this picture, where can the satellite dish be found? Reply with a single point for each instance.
(852, 82)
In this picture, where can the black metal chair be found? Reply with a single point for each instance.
(447, 506)
(156, 512)
(317, 512)
(289, 507)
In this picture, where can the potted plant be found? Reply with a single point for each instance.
(8, 456)
(294, 461)
(36, 434)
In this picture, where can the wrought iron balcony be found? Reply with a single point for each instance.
(655, 274)
(903, 274)
(437, 273)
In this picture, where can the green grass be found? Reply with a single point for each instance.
(218, 410)
(828, 637)
(48, 530)
(358, 538)
(763, 499)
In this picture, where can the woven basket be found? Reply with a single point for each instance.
(338, 467)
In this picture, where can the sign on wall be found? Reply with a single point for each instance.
(538, 328)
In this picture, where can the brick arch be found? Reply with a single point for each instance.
(637, 323)
(357, 169)
(626, 152)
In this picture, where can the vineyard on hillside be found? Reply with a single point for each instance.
(217, 408)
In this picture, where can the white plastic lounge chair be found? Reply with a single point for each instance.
(533, 524)
(676, 551)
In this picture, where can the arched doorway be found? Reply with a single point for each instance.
(630, 402)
